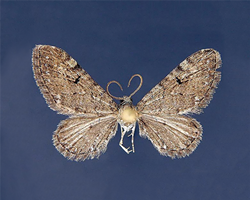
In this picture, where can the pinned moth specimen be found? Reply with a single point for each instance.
(162, 114)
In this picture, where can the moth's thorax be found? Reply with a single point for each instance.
(127, 112)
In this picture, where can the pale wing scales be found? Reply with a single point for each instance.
(173, 136)
(188, 88)
(66, 87)
(79, 138)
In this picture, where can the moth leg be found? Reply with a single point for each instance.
(132, 138)
(121, 142)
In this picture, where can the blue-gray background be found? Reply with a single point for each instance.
(112, 41)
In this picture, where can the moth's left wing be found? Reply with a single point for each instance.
(173, 136)
(66, 87)
(80, 137)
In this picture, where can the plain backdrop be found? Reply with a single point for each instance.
(112, 41)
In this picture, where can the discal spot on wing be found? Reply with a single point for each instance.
(188, 88)
(80, 138)
(173, 136)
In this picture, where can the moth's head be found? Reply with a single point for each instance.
(126, 100)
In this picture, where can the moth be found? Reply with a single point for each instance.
(163, 114)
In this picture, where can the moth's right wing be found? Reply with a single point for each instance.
(171, 135)
(187, 89)
(79, 138)
(66, 87)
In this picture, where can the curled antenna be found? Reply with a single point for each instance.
(121, 98)
(107, 88)
(138, 75)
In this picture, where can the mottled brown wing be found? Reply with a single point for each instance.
(187, 89)
(67, 87)
(79, 138)
(174, 136)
